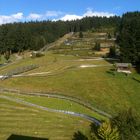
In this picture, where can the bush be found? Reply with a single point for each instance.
(97, 46)
(7, 55)
(112, 51)
(80, 35)
(128, 124)
(125, 126)
(109, 36)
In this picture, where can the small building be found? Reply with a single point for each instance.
(123, 67)
(36, 54)
(68, 42)
(2, 77)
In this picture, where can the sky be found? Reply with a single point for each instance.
(32, 10)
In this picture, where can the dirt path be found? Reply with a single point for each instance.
(51, 73)
(94, 59)
(18, 57)
(33, 74)
(94, 66)
(56, 43)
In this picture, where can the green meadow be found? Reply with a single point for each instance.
(27, 121)
(96, 85)
(66, 71)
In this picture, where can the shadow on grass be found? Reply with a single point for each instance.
(93, 133)
(19, 137)
(111, 72)
(112, 60)
(137, 80)
(138, 69)
(79, 136)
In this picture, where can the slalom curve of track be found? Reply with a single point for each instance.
(89, 118)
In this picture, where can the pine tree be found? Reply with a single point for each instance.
(112, 51)
(80, 34)
(129, 38)
(97, 46)
(128, 124)
(109, 36)
(106, 132)
(7, 55)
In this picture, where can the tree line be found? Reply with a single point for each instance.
(17, 37)
(129, 38)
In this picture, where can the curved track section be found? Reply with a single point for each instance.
(59, 96)
(89, 118)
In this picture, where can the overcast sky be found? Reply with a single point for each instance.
(26, 10)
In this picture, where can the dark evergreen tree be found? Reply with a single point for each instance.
(109, 36)
(124, 126)
(112, 51)
(97, 46)
(79, 136)
(129, 38)
(7, 55)
(80, 34)
(128, 124)
(18, 37)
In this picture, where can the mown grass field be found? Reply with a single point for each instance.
(97, 85)
(58, 104)
(27, 121)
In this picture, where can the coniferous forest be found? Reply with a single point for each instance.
(34, 35)
(18, 37)
(129, 38)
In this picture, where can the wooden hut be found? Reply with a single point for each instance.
(123, 67)
(36, 54)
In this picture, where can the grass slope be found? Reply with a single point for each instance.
(23, 120)
(103, 90)
(95, 85)
(59, 104)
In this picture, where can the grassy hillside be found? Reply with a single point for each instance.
(95, 85)
(58, 104)
(85, 46)
(72, 70)
(59, 73)
(23, 120)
